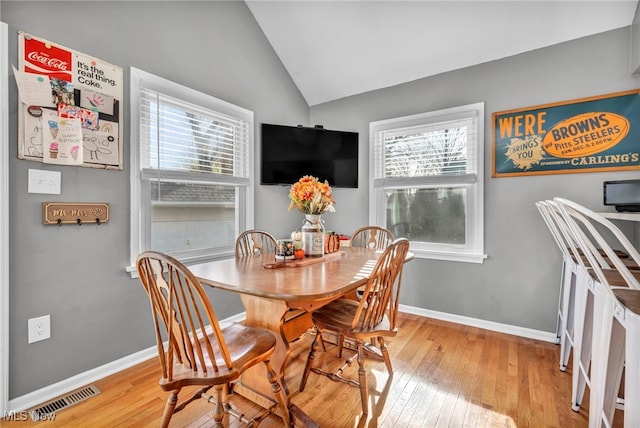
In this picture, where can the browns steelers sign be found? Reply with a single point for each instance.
(584, 135)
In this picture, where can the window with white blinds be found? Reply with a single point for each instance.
(182, 139)
(426, 182)
(436, 149)
(192, 190)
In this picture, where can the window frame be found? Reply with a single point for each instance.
(4, 218)
(473, 250)
(141, 204)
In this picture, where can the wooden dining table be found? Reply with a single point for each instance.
(280, 296)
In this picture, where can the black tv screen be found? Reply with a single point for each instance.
(290, 152)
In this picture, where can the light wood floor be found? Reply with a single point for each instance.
(445, 375)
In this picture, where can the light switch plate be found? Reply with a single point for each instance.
(41, 181)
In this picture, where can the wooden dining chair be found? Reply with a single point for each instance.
(254, 242)
(374, 316)
(374, 237)
(193, 349)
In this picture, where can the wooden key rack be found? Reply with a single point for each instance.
(59, 213)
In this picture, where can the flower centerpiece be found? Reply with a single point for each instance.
(312, 198)
(309, 196)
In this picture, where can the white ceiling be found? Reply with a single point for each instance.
(334, 49)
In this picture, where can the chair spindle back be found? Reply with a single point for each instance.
(182, 313)
(381, 293)
(374, 237)
(254, 242)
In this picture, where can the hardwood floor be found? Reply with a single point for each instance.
(445, 375)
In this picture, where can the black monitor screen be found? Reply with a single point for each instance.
(290, 152)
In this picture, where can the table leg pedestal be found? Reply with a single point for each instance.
(287, 325)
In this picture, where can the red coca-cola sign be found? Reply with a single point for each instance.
(44, 58)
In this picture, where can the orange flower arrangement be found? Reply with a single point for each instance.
(309, 196)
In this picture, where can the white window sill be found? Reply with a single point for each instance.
(449, 256)
(132, 270)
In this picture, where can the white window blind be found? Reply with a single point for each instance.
(182, 140)
(427, 151)
(432, 150)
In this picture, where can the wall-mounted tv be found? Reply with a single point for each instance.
(289, 152)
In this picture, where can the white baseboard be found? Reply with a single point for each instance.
(57, 389)
(487, 325)
(78, 381)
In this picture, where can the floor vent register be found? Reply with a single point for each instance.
(74, 397)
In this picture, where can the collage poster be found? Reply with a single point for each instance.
(586, 135)
(70, 106)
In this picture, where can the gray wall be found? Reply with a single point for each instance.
(76, 274)
(518, 283)
(634, 62)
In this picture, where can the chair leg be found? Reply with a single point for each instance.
(560, 317)
(581, 315)
(310, 358)
(218, 411)
(168, 409)
(324, 348)
(582, 359)
(615, 367)
(568, 322)
(385, 354)
(277, 391)
(340, 344)
(362, 377)
(632, 369)
(607, 360)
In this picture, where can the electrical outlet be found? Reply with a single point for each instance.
(39, 328)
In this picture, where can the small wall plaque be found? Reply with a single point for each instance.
(74, 213)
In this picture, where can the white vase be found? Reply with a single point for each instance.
(313, 235)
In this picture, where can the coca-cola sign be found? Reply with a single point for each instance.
(44, 58)
(51, 63)
(71, 103)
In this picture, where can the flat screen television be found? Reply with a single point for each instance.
(290, 152)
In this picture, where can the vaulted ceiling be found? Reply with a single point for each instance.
(334, 49)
